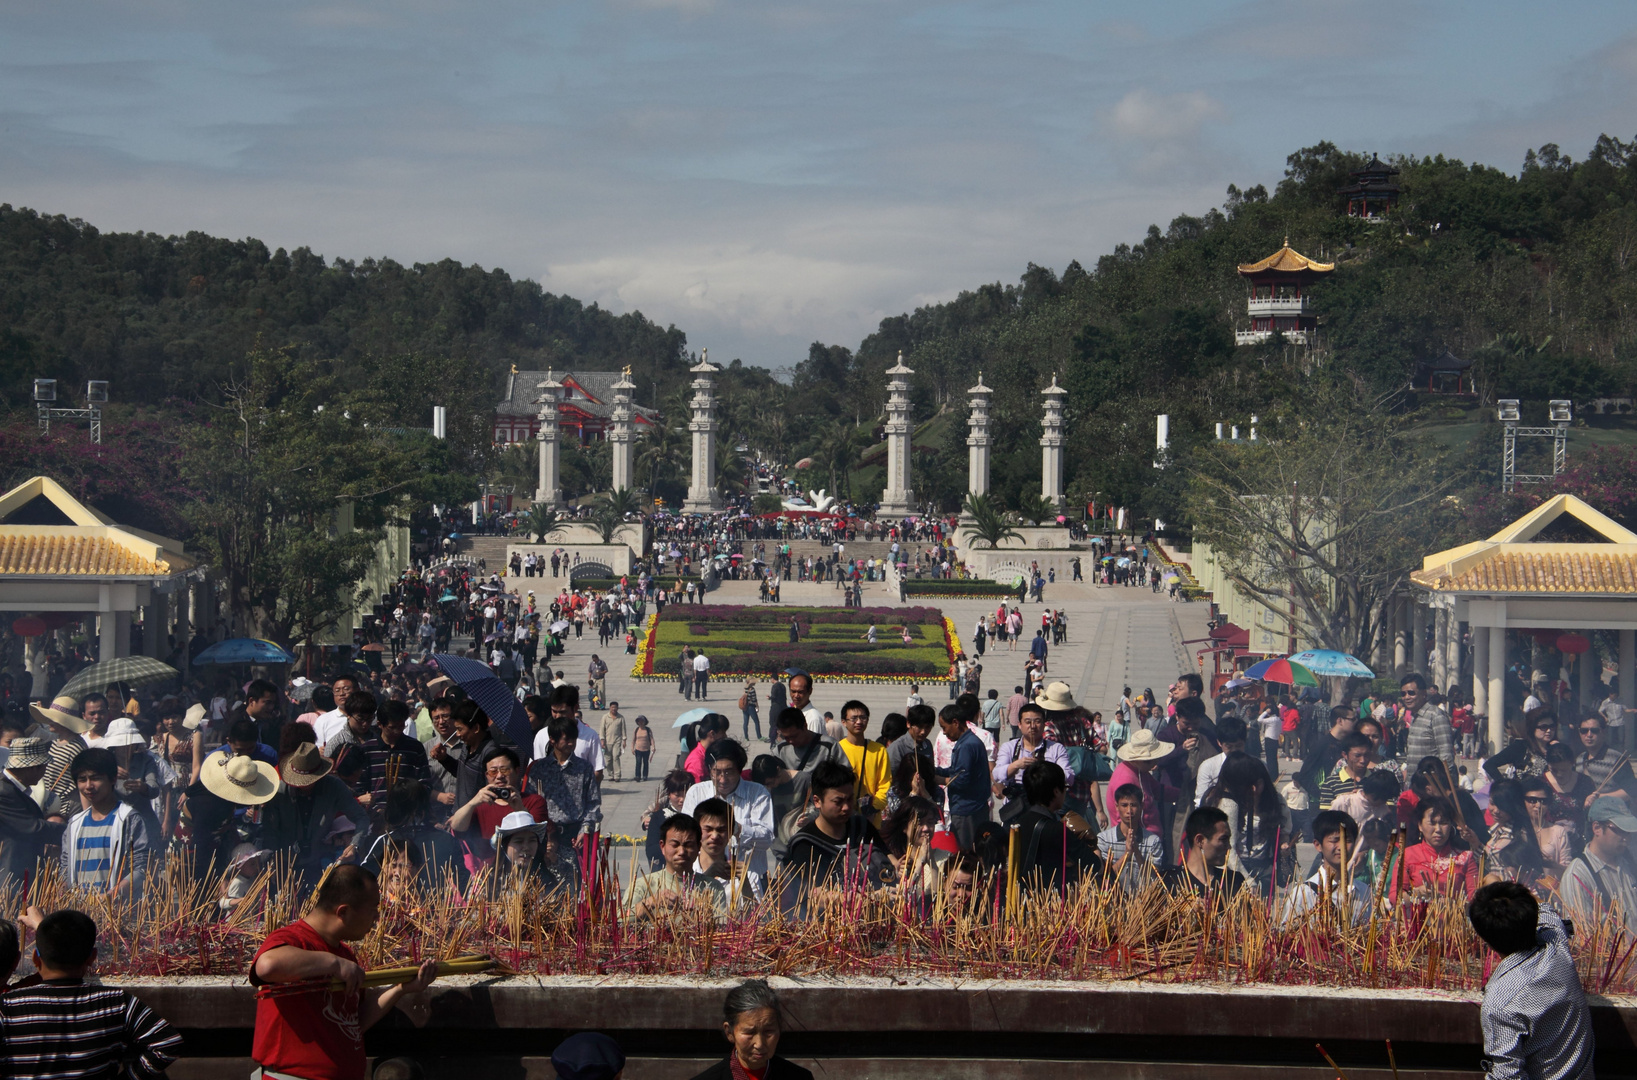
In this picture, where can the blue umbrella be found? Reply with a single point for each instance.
(244, 650)
(492, 696)
(1332, 662)
(692, 716)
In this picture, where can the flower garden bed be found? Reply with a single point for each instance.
(744, 641)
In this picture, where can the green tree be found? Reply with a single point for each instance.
(292, 488)
(1328, 518)
(985, 523)
(542, 522)
(1035, 507)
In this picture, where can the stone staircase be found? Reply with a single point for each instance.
(490, 549)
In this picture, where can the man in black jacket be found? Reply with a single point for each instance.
(839, 848)
(24, 828)
(1051, 854)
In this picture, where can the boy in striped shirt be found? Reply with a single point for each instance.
(105, 846)
(62, 1028)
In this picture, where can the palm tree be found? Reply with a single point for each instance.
(611, 510)
(623, 501)
(838, 447)
(731, 473)
(1036, 508)
(542, 522)
(986, 523)
(664, 446)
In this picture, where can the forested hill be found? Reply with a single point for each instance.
(169, 316)
(1533, 275)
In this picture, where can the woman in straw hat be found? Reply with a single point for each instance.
(225, 784)
(142, 780)
(1138, 759)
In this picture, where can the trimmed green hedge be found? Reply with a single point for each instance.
(935, 587)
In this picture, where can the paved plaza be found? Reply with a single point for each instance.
(1117, 636)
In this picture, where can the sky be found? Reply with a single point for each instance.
(762, 175)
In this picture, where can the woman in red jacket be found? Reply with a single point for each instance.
(1436, 865)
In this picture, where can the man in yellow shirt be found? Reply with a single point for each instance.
(868, 759)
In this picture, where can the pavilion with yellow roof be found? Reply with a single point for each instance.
(1514, 581)
(59, 557)
(1278, 296)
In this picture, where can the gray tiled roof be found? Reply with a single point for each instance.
(523, 388)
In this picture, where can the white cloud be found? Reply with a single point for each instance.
(1148, 117)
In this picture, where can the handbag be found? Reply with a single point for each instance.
(743, 703)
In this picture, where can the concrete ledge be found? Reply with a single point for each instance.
(987, 1028)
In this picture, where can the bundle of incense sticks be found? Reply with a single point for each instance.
(391, 976)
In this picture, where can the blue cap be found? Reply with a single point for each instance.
(589, 1055)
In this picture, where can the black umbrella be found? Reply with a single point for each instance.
(492, 696)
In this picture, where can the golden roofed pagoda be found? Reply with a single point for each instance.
(1278, 296)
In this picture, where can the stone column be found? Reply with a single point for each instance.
(1051, 445)
(1439, 673)
(1401, 637)
(620, 441)
(1497, 688)
(703, 497)
(1628, 668)
(121, 632)
(977, 439)
(1480, 670)
(155, 616)
(898, 500)
(549, 491)
(1591, 675)
(1418, 635)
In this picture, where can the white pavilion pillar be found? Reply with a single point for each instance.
(1401, 636)
(620, 434)
(702, 495)
(1480, 670)
(549, 490)
(898, 500)
(1628, 668)
(977, 439)
(1418, 635)
(1051, 445)
(1497, 688)
(1440, 649)
(155, 614)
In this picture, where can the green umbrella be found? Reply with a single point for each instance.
(130, 670)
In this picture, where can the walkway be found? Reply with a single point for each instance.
(1117, 637)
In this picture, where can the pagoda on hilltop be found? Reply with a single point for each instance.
(1278, 296)
(1372, 192)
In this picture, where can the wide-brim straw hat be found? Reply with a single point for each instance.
(27, 752)
(306, 766)
(193, 717)
(239, 779)
(122, 732)
(1055, 698)
(1144, 745)
(64, 712)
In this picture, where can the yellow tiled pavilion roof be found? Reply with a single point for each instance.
(1287, 260)
(58, 554)
(90, 546)
(1509, 563)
